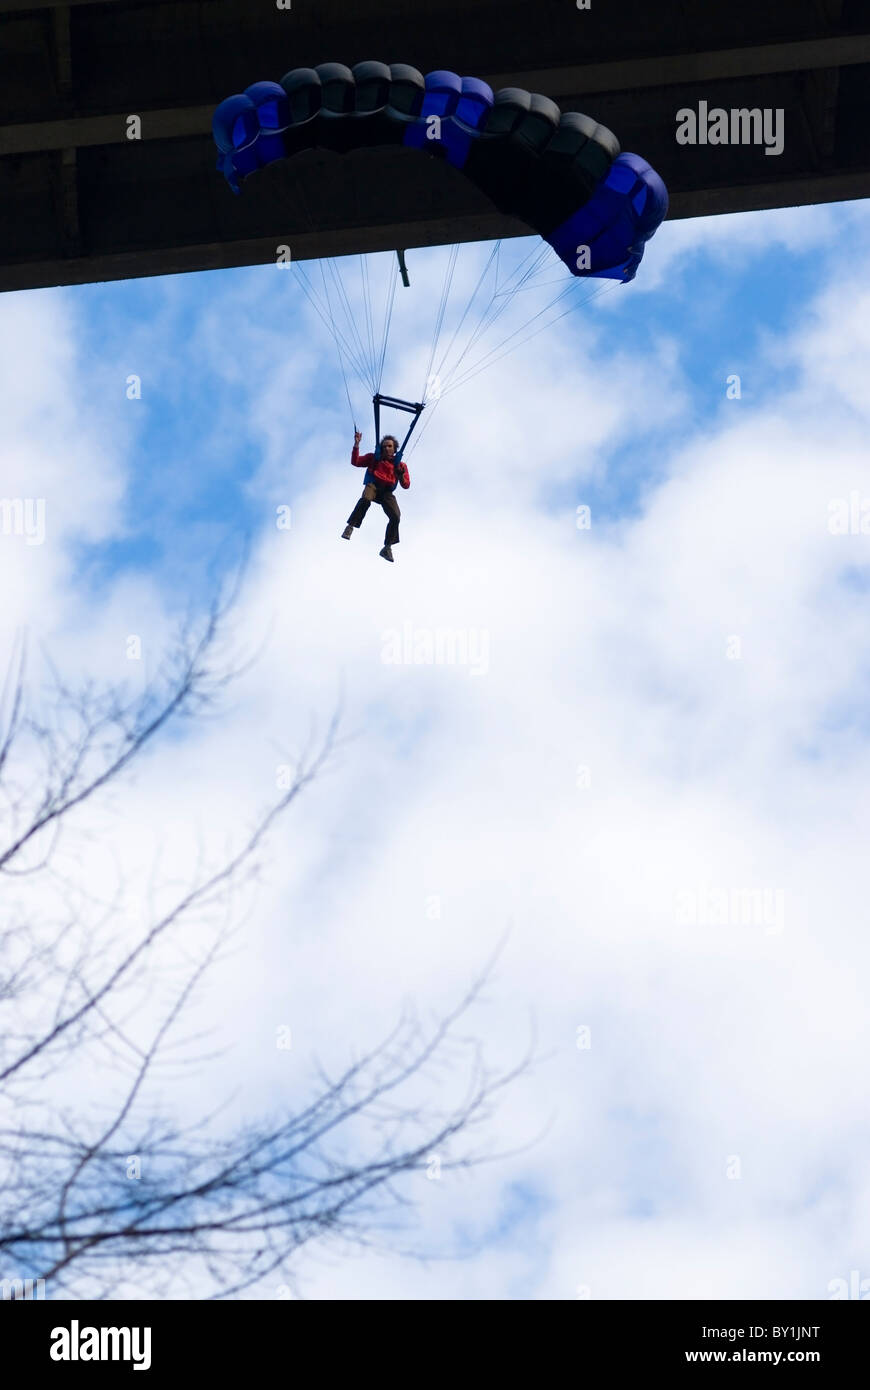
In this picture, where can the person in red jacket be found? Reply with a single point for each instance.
(383, 472)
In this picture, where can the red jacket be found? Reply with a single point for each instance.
(383, 471)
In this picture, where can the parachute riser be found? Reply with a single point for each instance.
(414, 408)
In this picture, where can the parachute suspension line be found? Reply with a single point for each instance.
(340, 359)
(494, 355)
(347, 393)
(542, 284)
(474, 370)
(489, 360)
(474, 367)
(493, 259)
(465, 312)
(326, 316)
(338, 338)
(491, 310)
(341, 291)
(516, 281)
(439, 318)
(535, 255)
(487, 308)
(369, 362)
(388, 318)
(418, 437)
(538, 255)
(363, 328)
(356, 355)
(311, 295)
(432, 408)
(369, 318)
(454, 253)
(404, 269)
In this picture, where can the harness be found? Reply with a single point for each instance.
(379, 482)
(413, 408)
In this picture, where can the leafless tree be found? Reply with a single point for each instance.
(106, 1191)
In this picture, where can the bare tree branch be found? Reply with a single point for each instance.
(216, 1206)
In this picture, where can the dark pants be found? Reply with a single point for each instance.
(378, 492)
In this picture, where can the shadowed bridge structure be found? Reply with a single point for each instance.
(80, 201)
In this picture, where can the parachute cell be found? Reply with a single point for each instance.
(623, 213)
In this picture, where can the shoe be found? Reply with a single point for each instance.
(387, 553)
(347, 533)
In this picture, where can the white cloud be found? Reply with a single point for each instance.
(607, 649)
(729, 238)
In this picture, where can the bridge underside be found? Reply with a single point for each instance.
(79, 201)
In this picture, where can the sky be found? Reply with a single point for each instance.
(645, 772)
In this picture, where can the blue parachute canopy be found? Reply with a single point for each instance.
(561, 173)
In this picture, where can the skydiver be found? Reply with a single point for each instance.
(383, 472)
